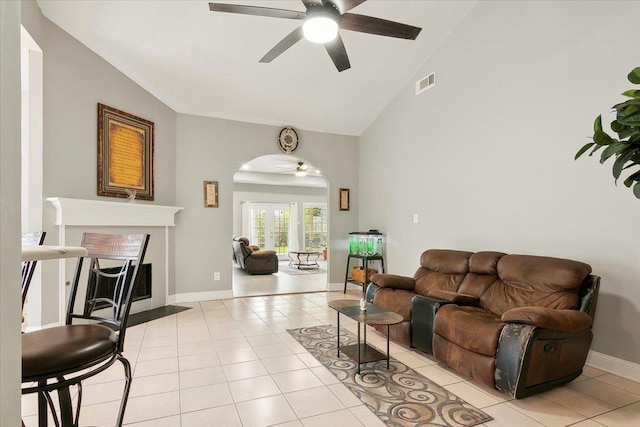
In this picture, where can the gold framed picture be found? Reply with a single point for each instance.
(344, 199)
(125, 154)
(211, 194)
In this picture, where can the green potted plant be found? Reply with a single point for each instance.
(626, 148)
(324, 248)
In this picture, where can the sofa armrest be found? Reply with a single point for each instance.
(263, 254)
(531, 359)
(455, 297)
(423, 314)
(548, 318)
(393, 281)
(372, 289)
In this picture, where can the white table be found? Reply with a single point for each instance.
(44, 252)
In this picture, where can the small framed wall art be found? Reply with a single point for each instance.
(344, 199)
(211, 194)
(125, 154)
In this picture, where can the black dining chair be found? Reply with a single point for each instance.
(92, 339)
(28, 267)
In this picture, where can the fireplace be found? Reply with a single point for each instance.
(141, 289)
(74, 216)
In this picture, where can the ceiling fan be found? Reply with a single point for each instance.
(322, 20)
(301, 170)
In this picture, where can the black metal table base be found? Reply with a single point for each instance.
(362, 352)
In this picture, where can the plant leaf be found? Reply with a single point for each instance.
(618, 165)
(633, 177)
(633, 120)
(623, 105)
(595, 148)
(631, 93)
(597, 124)
(616, 126)
(636, 190)
(627, 131)
(634, 75)
(600, 137)
(584, 148)
(612, 149)
(631, 109)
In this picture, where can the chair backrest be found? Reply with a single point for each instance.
(241, 250)
(28, 267)
(125, 250)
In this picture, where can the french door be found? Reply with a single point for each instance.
(269, 225)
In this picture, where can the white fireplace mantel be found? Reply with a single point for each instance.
(103, 213)
(80, 212)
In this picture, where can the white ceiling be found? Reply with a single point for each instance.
(279, 169)
(206, 63)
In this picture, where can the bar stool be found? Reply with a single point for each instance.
(28, 267)
(63, 356)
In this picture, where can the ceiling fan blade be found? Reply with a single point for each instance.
(338, 53)
(381, 27)
(346, 5)
(284, 44)
(256, 10)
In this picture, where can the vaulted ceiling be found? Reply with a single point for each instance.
(206, 63)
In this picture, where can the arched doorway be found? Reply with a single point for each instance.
(280, 203)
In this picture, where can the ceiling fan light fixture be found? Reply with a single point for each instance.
(301, 170)
(320, 28)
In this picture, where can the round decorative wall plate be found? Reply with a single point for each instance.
(288, 140)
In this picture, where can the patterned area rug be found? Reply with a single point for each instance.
(284, 268)
(399, 396)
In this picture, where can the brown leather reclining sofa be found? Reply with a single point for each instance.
(517, 323)
(251, 259)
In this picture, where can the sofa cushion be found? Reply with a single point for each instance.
(474, 365)
(471, 328)
(446, 261)
(485, 262)
(392, 281)
(396, 300)
(526, 280)
(454, 297)
(441, 269)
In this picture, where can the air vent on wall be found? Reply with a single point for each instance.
(425, 83)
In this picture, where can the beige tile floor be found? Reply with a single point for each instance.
(245, 284)
(232, 363)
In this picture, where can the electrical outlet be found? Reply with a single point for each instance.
(216, 275)
(415, 218)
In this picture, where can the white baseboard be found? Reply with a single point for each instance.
(199, 296)
(335, 286)
(37, 328)
(613, 365)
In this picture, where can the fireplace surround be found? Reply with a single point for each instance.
(75, 214)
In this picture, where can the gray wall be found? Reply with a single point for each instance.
(486, 156)
(75, 81)
(10, 213)
(213, 150)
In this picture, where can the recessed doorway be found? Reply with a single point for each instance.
(279, 208)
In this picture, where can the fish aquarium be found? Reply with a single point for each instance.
(366, 243)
